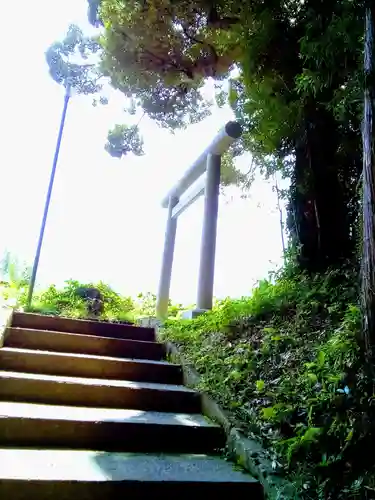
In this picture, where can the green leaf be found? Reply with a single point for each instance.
(321, 359)
(312, 377)
(235, 375)
(269, 413)
(260, 385)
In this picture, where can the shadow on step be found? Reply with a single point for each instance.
(30, 425)
(156, 432)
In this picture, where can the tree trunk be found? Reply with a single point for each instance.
(368, 250)
(321, 220)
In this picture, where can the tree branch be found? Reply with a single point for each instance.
(163, 61)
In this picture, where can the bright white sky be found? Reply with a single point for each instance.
(105, 221)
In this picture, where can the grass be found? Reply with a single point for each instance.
(286, 363)
(67, 302)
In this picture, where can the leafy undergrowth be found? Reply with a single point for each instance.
(286, 363)
(67, 302)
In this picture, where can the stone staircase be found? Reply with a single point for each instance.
(91, 410)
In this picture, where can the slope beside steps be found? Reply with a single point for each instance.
(91, 410)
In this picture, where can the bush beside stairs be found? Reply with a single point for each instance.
(91, 410)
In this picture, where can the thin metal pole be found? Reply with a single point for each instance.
(48, 197)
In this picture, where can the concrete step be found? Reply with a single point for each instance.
(45, 340)
(83, 365)
(49, 426)
(31, 474)
(103, 329)
(52, 389)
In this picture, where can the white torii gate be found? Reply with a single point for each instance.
(210, 162)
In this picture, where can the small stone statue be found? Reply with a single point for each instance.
(93, 298)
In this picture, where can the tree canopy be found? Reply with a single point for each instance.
(69, 64)
(74, 62)
(122, 139)
(160, 53)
